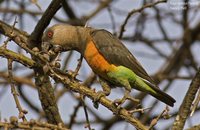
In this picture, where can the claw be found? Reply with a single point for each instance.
(119, 102)
(99, 95)
(104, 93)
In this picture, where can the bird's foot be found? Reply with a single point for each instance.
(100, 94)
(106, 91)
(119, 102)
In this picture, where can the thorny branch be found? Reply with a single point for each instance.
(22, 112)
(86, 113)
(15, 94)
(195, 103)
(42, 80)
(185, 108)
(155, 120)
(32, 124)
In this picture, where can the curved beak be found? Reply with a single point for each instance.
(48, 47)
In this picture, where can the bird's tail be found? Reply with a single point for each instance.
(155, 92)
(162, 96)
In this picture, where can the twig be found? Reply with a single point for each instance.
(28, 102)
(73, 116)
(22, 112)
(30, 125)
(11, 33)
(137, 11)
(184, 110)
(66, 60)
(155, 120)
(13, 26)
(17, 79)
(18, 57)
(86, 113)
(101, 6)
(73, 74)
(68, 10)
(139, 110)
(160, 25)
(196, 102)
(36, 3)
(44, 22)
(112, 20)
(78, 66)
(82, 96)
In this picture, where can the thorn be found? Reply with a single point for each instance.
(86, 24)
(141, 110)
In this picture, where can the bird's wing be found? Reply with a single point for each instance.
(116, 53)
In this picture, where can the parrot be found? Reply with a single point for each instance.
(107, 56)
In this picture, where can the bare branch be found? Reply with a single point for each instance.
(137, 11)
(184, 110)
(32, 124)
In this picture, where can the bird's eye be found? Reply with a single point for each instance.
(50, 34)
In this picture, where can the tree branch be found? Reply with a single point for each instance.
(36, 35)
(84, 90)
(42, 81)
(184, 110)
(137, 11)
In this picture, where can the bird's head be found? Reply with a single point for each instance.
(65, 36)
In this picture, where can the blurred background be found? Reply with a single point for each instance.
(156, 36)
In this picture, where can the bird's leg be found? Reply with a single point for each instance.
(106, 89)
(127, 86)
(119, 102)
(129, 97)
(126, 96)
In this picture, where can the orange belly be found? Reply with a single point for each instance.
(96, 61)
